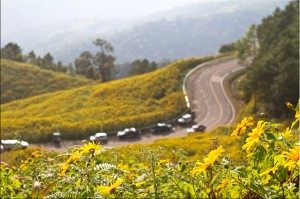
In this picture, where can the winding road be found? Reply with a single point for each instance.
(206, 93)
(205, 96)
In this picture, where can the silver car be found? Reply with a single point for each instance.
(99, 137)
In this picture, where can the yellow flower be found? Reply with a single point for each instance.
(208, 161)
(293, 158)
(91, 147)
(163, 161)
(123, 167)
(221, 186)
(63, 169)
(25, 164)
(138, 184)
(287, 134)
(149, 188)
(253, 137)
(266, 173)
(241, 128)
(74, 157)
(105, 190)
(36, 154)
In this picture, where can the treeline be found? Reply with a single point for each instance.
(13, 51)
(271, 52)
(98, 66)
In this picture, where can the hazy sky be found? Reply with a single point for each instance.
(36, 12)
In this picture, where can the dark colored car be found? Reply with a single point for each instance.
(185, 119)
(128, 133)
(13, 144)
(161, 127)
(196, 128)
(99, 137)
(56, 139)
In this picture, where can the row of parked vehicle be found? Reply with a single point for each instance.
(101, 137)
(132, 132)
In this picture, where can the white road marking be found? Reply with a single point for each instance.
(216, 78)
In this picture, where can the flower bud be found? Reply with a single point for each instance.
(289, 105)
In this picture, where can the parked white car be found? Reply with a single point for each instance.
(196, 128)
(99, 137)
(185, 119)
(13, 144)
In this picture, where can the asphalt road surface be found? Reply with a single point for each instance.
(206, 96)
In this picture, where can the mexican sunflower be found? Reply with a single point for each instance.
(106, 190)
(253, 137)
(221, 186)
(292, 157)
(241, 128)
(90, 147)
(267, 175)
(208, 161)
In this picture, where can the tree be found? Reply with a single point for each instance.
(227, 48)
(248, 45)
(12, 51)
(142, 66)
(59, 67)
(31, 57)
(103, 60)
(70, 69)
(274, 74)
(84, 65)
(48, 62)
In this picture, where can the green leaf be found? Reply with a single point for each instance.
(257, 187)
(259, 154)
(271, 146)
(270, 136)
(240, 171)
(282, 173)
(183, 168)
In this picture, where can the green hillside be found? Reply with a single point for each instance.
(21, 80)
(137, 101)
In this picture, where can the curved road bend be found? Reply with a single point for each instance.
(206, 96)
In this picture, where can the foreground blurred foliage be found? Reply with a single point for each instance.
(77, 113)
(269, 169)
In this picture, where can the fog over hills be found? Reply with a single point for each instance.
(195, 30)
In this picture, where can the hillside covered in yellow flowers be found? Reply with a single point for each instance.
(137, 101)
(21, 80)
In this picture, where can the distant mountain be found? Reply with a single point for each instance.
(191, 31)
(21, 80)
(195, 30)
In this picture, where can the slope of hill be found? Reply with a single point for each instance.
(21, 80)
(137, 101)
